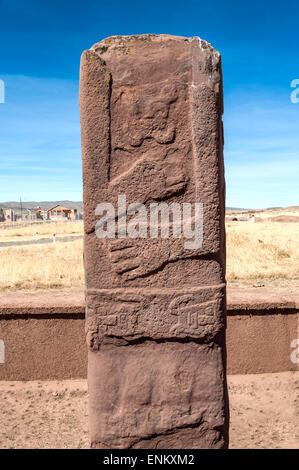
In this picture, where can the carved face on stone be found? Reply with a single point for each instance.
(143, 121)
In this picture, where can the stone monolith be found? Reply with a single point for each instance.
(152, 139)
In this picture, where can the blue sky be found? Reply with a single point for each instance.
(41, 43)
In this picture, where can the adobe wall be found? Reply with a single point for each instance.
(44, 336)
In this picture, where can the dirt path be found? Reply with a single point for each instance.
(41, 241)
(264, 412)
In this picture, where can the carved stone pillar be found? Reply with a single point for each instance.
(151, 108)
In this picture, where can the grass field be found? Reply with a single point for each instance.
(42, 266)
(44, 230)
(265, 250)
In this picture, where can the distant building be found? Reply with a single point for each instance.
(41, 214)
(56, 213)
(29, 214)
(9, 215)
(62, 213)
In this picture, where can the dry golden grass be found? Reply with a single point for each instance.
(264, 250)
(42, 266)
(276, 213)
(45, 230)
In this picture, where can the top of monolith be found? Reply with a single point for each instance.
(133, 59)
(123, 43)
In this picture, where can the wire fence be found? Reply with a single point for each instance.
(20, 224)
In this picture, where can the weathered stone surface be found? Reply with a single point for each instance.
(155, 313)
(151, 111)
(156, 394)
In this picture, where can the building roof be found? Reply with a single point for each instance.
(60, 208)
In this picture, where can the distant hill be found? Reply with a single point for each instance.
(79, 206)
(236, 209)
(270, 209)
(43, 204)
(68, 204)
